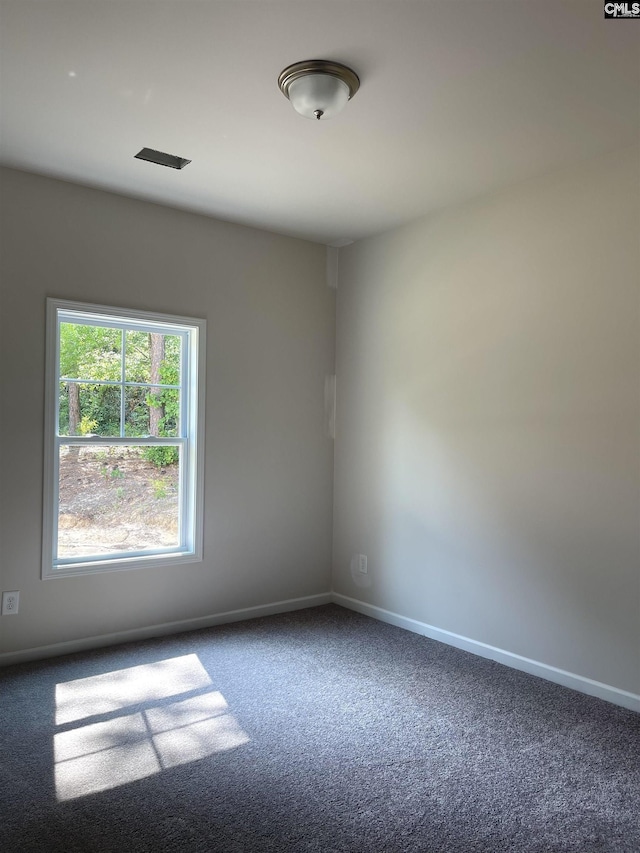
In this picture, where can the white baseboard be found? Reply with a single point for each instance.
(542, 670)
(162, 630)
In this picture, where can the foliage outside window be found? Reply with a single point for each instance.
(124, 454)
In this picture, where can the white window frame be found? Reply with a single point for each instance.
(190, 438)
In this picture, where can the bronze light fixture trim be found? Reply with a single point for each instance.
(318, 88)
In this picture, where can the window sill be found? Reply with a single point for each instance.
(99, 567)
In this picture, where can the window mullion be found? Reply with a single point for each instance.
(118, 441)
(70, 379)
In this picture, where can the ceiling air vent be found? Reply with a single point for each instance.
(162, 159)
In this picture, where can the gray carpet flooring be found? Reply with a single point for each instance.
(320, 730)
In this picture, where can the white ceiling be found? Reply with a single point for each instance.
(457, 98)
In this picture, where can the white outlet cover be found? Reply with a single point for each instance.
(10, 603)
(360, 579)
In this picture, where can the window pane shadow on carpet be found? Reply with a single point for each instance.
(179, 719)
(319, 730)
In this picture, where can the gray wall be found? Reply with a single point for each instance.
(488, 413)
(488, 421)
(268, 479)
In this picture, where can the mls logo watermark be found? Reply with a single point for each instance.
(622, 10)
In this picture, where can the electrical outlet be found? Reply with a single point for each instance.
(10, 603)
(362, 564)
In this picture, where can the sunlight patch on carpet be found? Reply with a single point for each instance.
(112, 691)
(100, 755)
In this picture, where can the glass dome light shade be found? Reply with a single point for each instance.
(318, 88)
(318, 95)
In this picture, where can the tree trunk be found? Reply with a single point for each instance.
(74, 407)
(156, 353)
(74, 415)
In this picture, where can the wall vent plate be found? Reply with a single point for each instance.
(162, 159)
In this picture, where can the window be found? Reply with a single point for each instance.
(124, 439)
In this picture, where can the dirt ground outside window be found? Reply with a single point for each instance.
(113, 499)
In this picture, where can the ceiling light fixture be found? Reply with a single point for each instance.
(318, 88)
